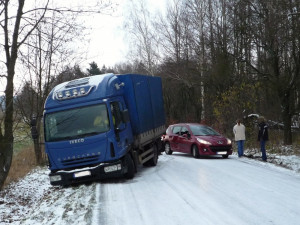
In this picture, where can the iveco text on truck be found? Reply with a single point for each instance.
(103, 126)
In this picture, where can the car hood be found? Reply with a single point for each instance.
(214, 140)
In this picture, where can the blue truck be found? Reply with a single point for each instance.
(103, 126)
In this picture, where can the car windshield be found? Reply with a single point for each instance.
(199, 130)
(76, 123)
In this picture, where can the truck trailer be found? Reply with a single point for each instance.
(103, 126)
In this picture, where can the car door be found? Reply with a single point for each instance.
(174, 138)
(184, 140)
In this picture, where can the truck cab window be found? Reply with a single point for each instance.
(116, 108)
(76, 123)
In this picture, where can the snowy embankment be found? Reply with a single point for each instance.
(33, 200)
(33, 195)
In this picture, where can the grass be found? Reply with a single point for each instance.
(22, 163)
(24, 157)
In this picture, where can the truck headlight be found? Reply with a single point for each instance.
(55, 178)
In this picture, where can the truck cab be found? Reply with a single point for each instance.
(88, 131)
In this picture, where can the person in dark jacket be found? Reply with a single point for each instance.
(263, 136)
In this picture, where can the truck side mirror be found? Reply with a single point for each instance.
(33, 121)
(125, 116)
(34, 133)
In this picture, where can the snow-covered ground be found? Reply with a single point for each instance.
(179, 190)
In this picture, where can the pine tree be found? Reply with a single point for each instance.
(94, 69)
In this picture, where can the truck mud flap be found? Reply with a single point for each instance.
(146, 156)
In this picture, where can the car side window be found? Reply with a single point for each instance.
(184, 130)
(176, 130)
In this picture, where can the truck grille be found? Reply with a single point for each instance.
(74, 161)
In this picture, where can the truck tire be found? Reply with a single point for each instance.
(154, 159)
(130, 166)
(168, 150)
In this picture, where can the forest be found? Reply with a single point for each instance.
(219, 60)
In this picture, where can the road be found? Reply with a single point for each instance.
(179, 190)
(183, 190)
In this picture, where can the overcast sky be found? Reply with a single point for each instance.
(108, 44)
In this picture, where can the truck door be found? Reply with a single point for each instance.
(122, 133)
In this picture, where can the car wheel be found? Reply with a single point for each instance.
(225, 156)
(195, 151)
(168, 150)
(130, 167)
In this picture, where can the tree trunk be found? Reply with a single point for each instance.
(38, 152)
(11, 52)
(37, 146)
(6, 150)
(287, 120)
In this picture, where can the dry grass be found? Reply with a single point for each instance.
(23, 162)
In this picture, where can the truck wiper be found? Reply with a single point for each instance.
(75, 136)
(83, 135)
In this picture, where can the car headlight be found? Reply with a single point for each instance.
(228, 141)
(203, 141)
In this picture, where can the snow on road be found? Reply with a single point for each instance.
(182, 190)
(179, 190)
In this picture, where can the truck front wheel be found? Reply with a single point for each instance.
(130, 166)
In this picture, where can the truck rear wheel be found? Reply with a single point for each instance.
(130, 166)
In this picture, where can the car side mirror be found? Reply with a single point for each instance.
(188, 135)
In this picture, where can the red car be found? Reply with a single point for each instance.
(197, 140)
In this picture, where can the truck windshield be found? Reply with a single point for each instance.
(76, 123)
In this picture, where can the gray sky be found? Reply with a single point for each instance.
(108, 45)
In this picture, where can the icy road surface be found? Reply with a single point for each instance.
(183, 190)
(179, 190)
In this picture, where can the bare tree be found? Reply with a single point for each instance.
(43, 56)
(142, 36)
(18, 22)
(272, 52)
